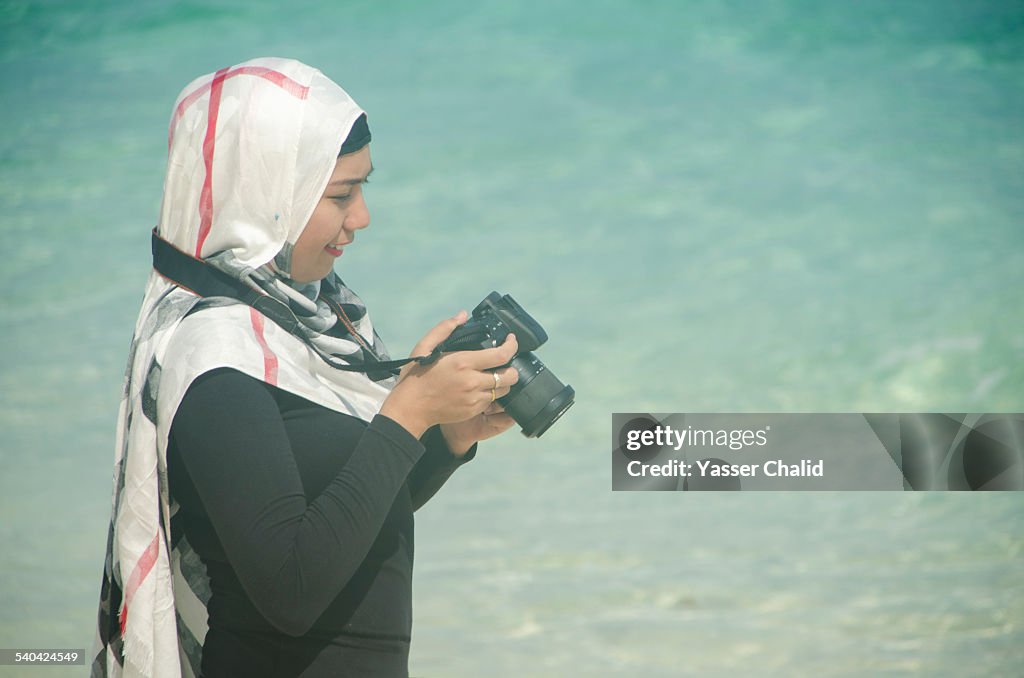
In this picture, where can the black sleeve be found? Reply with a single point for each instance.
(291, 558)
(435, 467)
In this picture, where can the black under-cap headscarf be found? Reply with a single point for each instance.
(357, 137)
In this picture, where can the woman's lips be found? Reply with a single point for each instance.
(334, 251)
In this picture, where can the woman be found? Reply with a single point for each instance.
(262, 511)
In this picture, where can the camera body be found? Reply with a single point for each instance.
(538, 399)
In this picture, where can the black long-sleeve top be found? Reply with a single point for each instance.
(304, 519)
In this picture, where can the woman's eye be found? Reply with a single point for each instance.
(341, 199)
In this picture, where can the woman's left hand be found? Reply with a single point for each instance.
(462, 435)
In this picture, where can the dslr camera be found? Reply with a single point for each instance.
(538, 399)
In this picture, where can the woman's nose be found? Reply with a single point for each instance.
(359, 215)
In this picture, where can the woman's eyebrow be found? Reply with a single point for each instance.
(351, 182)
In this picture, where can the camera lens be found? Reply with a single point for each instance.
(538, 399)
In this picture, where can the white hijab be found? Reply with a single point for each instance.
(251, 149)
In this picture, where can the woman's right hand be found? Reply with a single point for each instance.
(455, 387)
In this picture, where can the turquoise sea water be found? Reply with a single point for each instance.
(711, 206)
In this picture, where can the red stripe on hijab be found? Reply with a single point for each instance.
(139, 574)
(206, 196)
(269, 359)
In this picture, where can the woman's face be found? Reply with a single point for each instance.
(339, 214)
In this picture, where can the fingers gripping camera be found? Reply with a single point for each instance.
(539, 398)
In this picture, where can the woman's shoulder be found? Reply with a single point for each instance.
(212, 343)
(227, 383)
(226, 387)
(228, 378)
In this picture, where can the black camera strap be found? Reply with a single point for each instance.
(203, 280)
